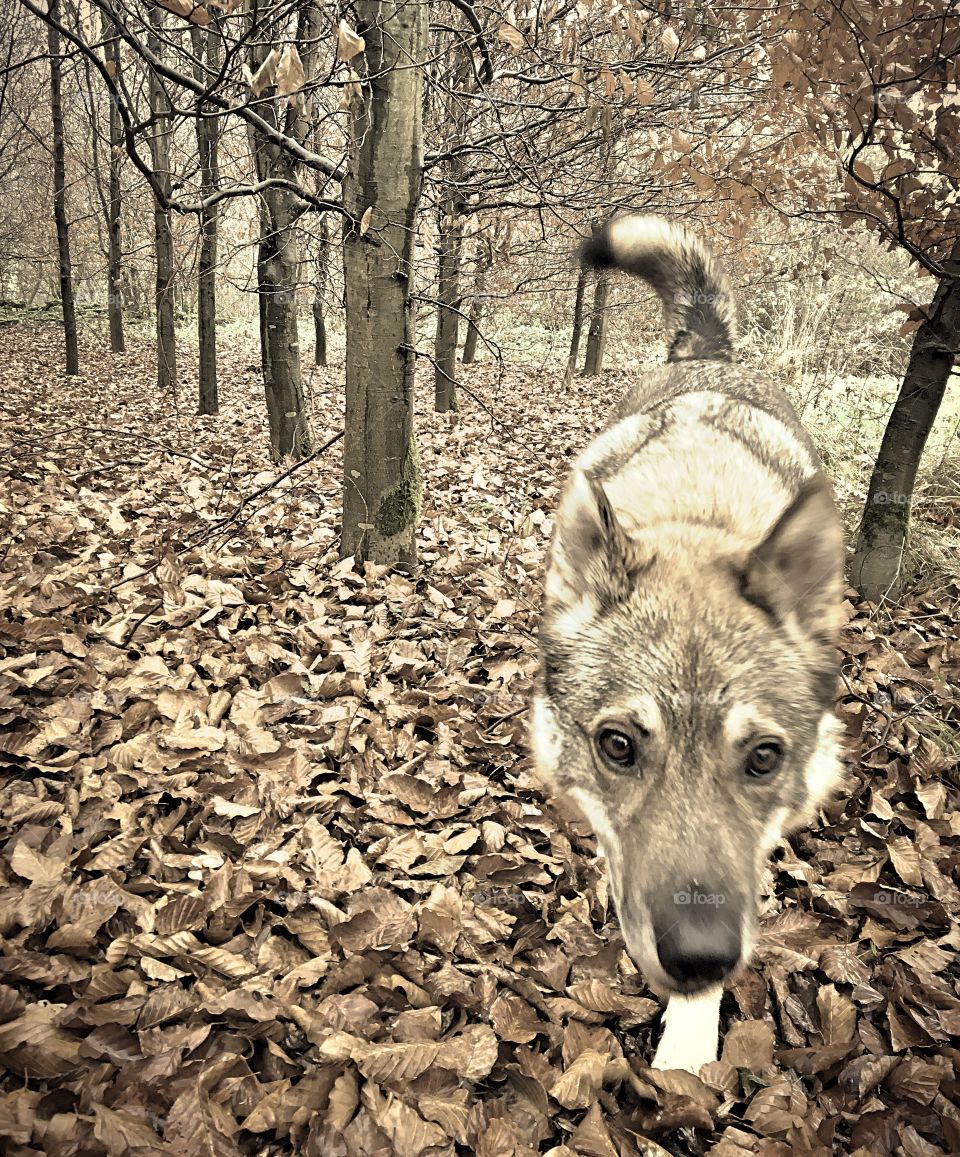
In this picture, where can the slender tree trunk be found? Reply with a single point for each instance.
(596, 337)
(162, 228)
(484, 261)
(111, 52)
(577, 322)
(881, 563)
(279, 265)
(207, 42)
(597, 334)
(60, 197)
(262, 311)
(447, 337)
(319, 295)
(133, 289)
(319, 333)
(448, 305)
(278, 257)
(382, 485)
(31, 296)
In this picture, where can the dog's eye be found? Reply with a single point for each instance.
(616, 748)
(763, 759)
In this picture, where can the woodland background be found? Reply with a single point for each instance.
(289, 296)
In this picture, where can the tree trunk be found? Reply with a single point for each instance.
(207, 42)
(484, 261)
(162, 229)
(279, 268)
(382, 486)
(596, 337)
(60, 197)
(881, 563)
(448, 305)
(319, 295)
(319, 333)
(577, 322)
(447, 337)
(111, 52)
(262, 314)
(278, 257)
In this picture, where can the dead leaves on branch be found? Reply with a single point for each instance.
(282, 70)
(349, 43)
(276, 877)
(199, 13)
(196, 13)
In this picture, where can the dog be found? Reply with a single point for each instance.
(688, 664)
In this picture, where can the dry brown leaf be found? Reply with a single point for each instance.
(579, 1086)
(512, 35)
(349, 44)
(194, 12)
(265, 76)
(748, 1045)
(838, 1016)
(290, 77)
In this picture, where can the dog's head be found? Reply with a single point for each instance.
(685, 704)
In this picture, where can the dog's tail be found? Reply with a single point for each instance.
(696, 295)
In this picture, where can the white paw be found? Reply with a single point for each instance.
(690, 1055)
(691, 1032)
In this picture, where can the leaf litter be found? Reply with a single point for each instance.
(277, 876)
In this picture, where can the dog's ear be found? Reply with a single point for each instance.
(592, 553)
(798, 567)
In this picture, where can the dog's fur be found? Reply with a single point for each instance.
(691, 607)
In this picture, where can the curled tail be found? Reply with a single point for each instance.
(696, 295)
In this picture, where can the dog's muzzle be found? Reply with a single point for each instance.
(698, 936)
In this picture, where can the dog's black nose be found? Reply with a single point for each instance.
(698, 947)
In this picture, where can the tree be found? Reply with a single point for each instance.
(60, 196)
(111, 53)
(382, 487)
(576, 332)
(448, 302)
(160, 138)
(871, 85)
(483, 262)
(206, 51)
(198, 77)
(597, 333)
(321, 277)
(278, 79)
(448, 176)
(879, 563)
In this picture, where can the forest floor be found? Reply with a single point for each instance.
(277, 877)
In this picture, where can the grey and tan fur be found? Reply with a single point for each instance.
(691, 610)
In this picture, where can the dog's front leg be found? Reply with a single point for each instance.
(691, 1031)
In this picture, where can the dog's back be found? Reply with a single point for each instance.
(727, 440)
